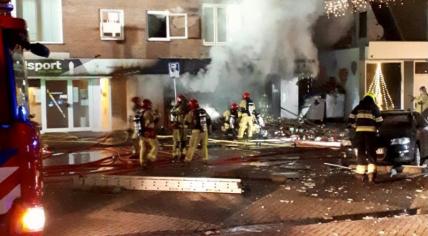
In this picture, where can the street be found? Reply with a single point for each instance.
(314, 199)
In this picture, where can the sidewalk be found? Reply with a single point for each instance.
(397, 226)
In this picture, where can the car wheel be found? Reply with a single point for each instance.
(417, 156)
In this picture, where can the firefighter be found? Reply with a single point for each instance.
(177, 115)
(137, 108)
(366, 119)
(198, 120)
(230, 116)
(422, 100)
(148, 140)
(247, 108)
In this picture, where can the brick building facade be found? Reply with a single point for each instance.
(104, 52)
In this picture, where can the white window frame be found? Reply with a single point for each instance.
(61, 28)
(215, 8)
(168, 37)
(122, 23)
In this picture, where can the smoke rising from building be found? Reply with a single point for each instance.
(264, 37)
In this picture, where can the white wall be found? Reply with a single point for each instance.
(289, 98)
(333, 62)
(101, 118)
(397, 50)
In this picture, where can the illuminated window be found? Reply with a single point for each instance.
(44, 19)
(164, 26)
(214, 24)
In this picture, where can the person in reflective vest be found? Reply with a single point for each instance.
(230, 116)
(148, 141)
(247, 108)
(179, 132)
(421, 102)
(366, 119)
(198, 120)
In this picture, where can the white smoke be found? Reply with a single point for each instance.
(212, 112)
(264, 37)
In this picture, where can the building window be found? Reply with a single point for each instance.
(44, 19)
(112, 24)
(214, 24)
(363, 25)
(421, 68)
(165, 26)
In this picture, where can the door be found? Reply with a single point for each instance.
(80, 103)
(57, 104)
(65, 105)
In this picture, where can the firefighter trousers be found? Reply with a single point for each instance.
(179, 143)
(198, 137)
(246, 124)
(148, 149)
(366, 144)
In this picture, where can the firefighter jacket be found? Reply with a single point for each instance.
(149, 119)
(365, 118)
(231, 118)
(177, 115)
(247, 106)
(198, 119)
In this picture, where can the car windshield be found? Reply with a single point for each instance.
(397, 120)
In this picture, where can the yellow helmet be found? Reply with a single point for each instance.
(372, 95)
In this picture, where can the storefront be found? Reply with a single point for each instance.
(71, 104)
(69, 95)
(401, 67)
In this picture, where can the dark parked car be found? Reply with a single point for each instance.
(404, 137)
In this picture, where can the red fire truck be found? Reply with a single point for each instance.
(21, 210)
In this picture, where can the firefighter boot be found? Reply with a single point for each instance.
(371, 172)
(360, 172)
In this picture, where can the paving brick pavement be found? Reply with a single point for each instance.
(321, 195)
(396, 226)
(108, 220)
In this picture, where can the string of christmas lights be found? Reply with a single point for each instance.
(380, 90)
(338, 8)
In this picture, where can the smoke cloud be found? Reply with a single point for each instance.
(264, 38)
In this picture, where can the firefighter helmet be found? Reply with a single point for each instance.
(147, 104)
(180, 98)
(193, 104)
(246, 95)
(371, 95)
(234, 106)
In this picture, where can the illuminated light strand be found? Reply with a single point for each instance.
(338, 8)
(379, 88)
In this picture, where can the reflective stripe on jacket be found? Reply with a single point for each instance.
(365, 120)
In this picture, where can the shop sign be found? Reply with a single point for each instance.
(174, 70)
(51, 67)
